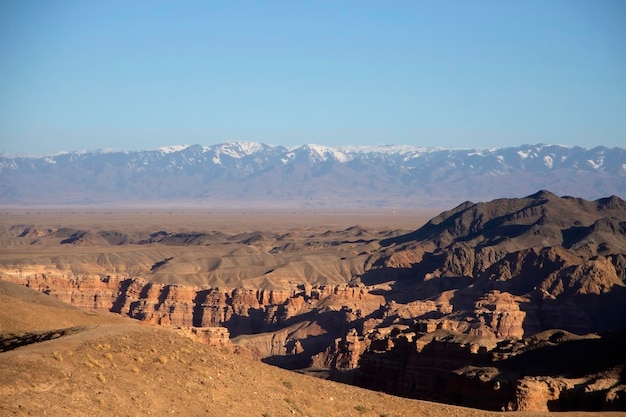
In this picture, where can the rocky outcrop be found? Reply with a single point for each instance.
(257, 315)
(533, 374)
(343, 355)
(213, 336)
(422, 362)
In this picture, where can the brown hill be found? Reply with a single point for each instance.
(512, 269)
(559, 254)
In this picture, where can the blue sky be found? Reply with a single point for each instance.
(84, 75)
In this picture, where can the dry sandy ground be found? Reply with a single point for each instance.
(236, 221)
(117, 367)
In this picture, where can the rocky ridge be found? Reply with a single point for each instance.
(482, 278)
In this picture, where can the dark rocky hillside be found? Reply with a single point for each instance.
(560, 253)
(514, 304)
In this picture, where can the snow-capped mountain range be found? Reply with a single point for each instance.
(245, 173)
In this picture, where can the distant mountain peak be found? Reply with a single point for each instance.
(323, 153)
(173, 148)
(239, 149)
(543, 195)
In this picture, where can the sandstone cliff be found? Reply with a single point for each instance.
(254, 314)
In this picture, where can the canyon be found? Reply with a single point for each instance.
(66, 361)
(471, 308)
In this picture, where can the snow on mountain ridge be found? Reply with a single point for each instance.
(548, 161)
(238, 149)
(172, 148)
(179, 156)
(387, 149)
(597, 163)
(324, 152)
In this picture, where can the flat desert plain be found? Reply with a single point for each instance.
(134, 219)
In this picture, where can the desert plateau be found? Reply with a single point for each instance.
(512, 305)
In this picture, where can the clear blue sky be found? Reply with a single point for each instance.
(84, 75)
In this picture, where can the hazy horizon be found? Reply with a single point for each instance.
(346, 148)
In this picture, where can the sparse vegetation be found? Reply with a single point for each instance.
(101, 377)
(103, 346)
(288, 384)
(293, 405)
(91, 362)
(360, 408)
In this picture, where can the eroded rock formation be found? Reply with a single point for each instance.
(541, 373)
(241, 311)
(213, 336)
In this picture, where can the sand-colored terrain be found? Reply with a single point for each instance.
(256, 249)
(137, 218)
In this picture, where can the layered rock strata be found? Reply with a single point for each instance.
(240, 311)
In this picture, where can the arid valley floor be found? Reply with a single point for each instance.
(490, 304)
